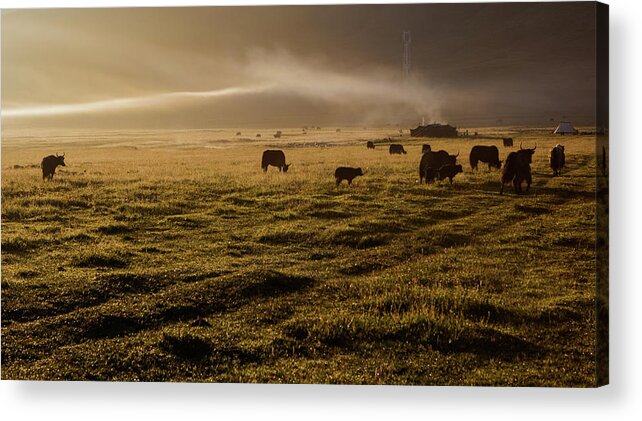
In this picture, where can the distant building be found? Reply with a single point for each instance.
(434, 130)
(565, 127)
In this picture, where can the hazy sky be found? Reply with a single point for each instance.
(198, 67)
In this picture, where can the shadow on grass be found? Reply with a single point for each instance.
(532, 210)
(490, 343)
(19, 244)
(186, 346)
(28, 302)
(198, 300)
(100, 258)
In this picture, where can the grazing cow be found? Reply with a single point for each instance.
(508, 141)
(258, 135)
(238, 133)
(486, 154)
(449, 171)
(278, 134)
(396, 149)
(346, 173)
(49, 164)
(425, 148)
(518, 169)
(275, 158)
(370, 145)
(557, 159)
(431, 162)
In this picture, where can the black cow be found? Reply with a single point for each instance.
(557, 159)
(508, 141)
(431, 162)
(430, 175)
(425, 148)
(275, 158)
(346, 173)
(396, 149)
(486, 154)
(449, 171)
(370, 145)
(278, 134)
(518, 169)
(49, 164)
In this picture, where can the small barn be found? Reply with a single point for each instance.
(434, 130)
(565, 127)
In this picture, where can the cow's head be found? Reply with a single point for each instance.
(559, 146)
(60, 159)
(359, 171)
(527, 153)
(498, 164)
(458, 169)
(286, 167)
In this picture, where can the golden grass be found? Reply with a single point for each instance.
(152, 246)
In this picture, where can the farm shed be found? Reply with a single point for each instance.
(434, 130)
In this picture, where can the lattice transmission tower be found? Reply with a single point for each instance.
(406, 38)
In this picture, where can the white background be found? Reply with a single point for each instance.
(622, 399)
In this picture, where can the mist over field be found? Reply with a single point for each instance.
(294, 66)
(274, 74)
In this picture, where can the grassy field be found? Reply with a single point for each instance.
(170, 256)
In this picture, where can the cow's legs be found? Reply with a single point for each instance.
(338, 180)
(349, 181)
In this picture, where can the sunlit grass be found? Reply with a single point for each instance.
(163, 262)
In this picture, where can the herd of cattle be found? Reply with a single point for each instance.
(441, 165)
(433, 164)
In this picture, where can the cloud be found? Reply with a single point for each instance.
(315, 79)
(369, 95)
(117, 104)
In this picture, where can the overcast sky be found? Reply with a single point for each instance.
(472, 64)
